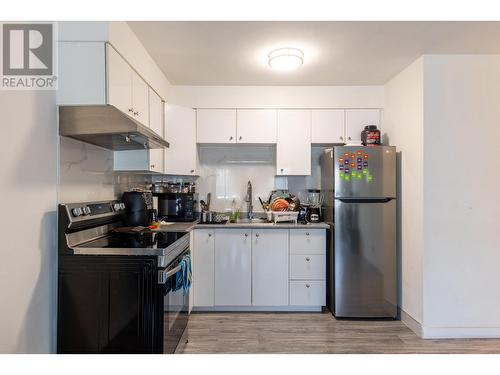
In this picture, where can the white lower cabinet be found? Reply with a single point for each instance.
(259, 268)
(203, 267)
(307, 293)
(270, 267)
(233, 267)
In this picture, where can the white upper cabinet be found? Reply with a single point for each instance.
(181, 134)
(216, 126)
(293, 148)
(256, 126)
(140, 99)
(156, 110)
(327, 126)
(119, 82)
(270, 267)
(357, 119)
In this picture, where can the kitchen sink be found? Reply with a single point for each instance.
(251, 221)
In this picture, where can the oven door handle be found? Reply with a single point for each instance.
(163, 276)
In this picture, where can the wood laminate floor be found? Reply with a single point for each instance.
(314, 333)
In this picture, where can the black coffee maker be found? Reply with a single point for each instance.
(139, 208)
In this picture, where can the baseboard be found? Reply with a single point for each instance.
(411, 323)
(257, 309)
(460, 332)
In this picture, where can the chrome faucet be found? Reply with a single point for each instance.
(248, 199)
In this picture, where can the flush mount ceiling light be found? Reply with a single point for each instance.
(285, 59)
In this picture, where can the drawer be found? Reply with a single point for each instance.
(308, 267)
(307, 241)
(307, 293)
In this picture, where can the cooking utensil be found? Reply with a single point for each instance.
(262, 204)
(209, 196)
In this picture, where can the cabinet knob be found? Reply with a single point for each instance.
(131, 110)
(192, 171)
(281, 170)
(246, 234)
(152, 166)
(308, 259)
(256, 234)
(136, 113)
(349, 138)
(308, 286)
(240, 138)
(210, 235)
(341, 138)
(307, 233)
(231, 138)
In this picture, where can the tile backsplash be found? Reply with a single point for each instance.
(86, 174)
(225, 170)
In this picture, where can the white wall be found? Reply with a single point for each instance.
(278, 96)
(28, 269)
(403, 123)
(462, 200)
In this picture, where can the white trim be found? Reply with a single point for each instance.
(460, 332)
(257, 308)
(411, 323)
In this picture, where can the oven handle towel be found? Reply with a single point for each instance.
(183, 278)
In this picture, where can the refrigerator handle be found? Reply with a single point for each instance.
(365, 200)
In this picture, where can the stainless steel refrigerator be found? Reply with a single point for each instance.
(359, 187)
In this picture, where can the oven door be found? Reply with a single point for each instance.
(175, 306)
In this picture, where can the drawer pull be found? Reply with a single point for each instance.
(246, 234)
(308, 286)
(256, 234)
(307, 233)
(210, 235)
(308, 259)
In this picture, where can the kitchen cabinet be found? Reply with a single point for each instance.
(269, 267)
(156, 113)
(181, 156)
(119, 82)
(307, 293)
(327, 126)
(256, 126)
(203, 267)
(233, 262)
(127, 91)
(150, 160)
(357, 119)
(216, 125)
(293, 147)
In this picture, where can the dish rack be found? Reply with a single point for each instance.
(285, 216)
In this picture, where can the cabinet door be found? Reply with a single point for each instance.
(156, 160)
(119, 79)
(156, 110)
(140, 99)
(270, 267)
(327, 126)
(357, 119)
(216, 126)
(233, 263)
(181, 134)
(256, 125)
(203, 267)
(293, 148)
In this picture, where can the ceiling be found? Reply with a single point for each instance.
(336, 53)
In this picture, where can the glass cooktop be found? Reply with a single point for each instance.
(152, 240)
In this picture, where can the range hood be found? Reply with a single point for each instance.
(108, 127)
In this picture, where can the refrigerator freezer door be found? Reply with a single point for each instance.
(365, 172)
(365, 259)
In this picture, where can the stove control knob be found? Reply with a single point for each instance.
(116, 207)
(77, 211)
(86, 210)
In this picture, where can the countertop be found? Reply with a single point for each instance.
(187, 227)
